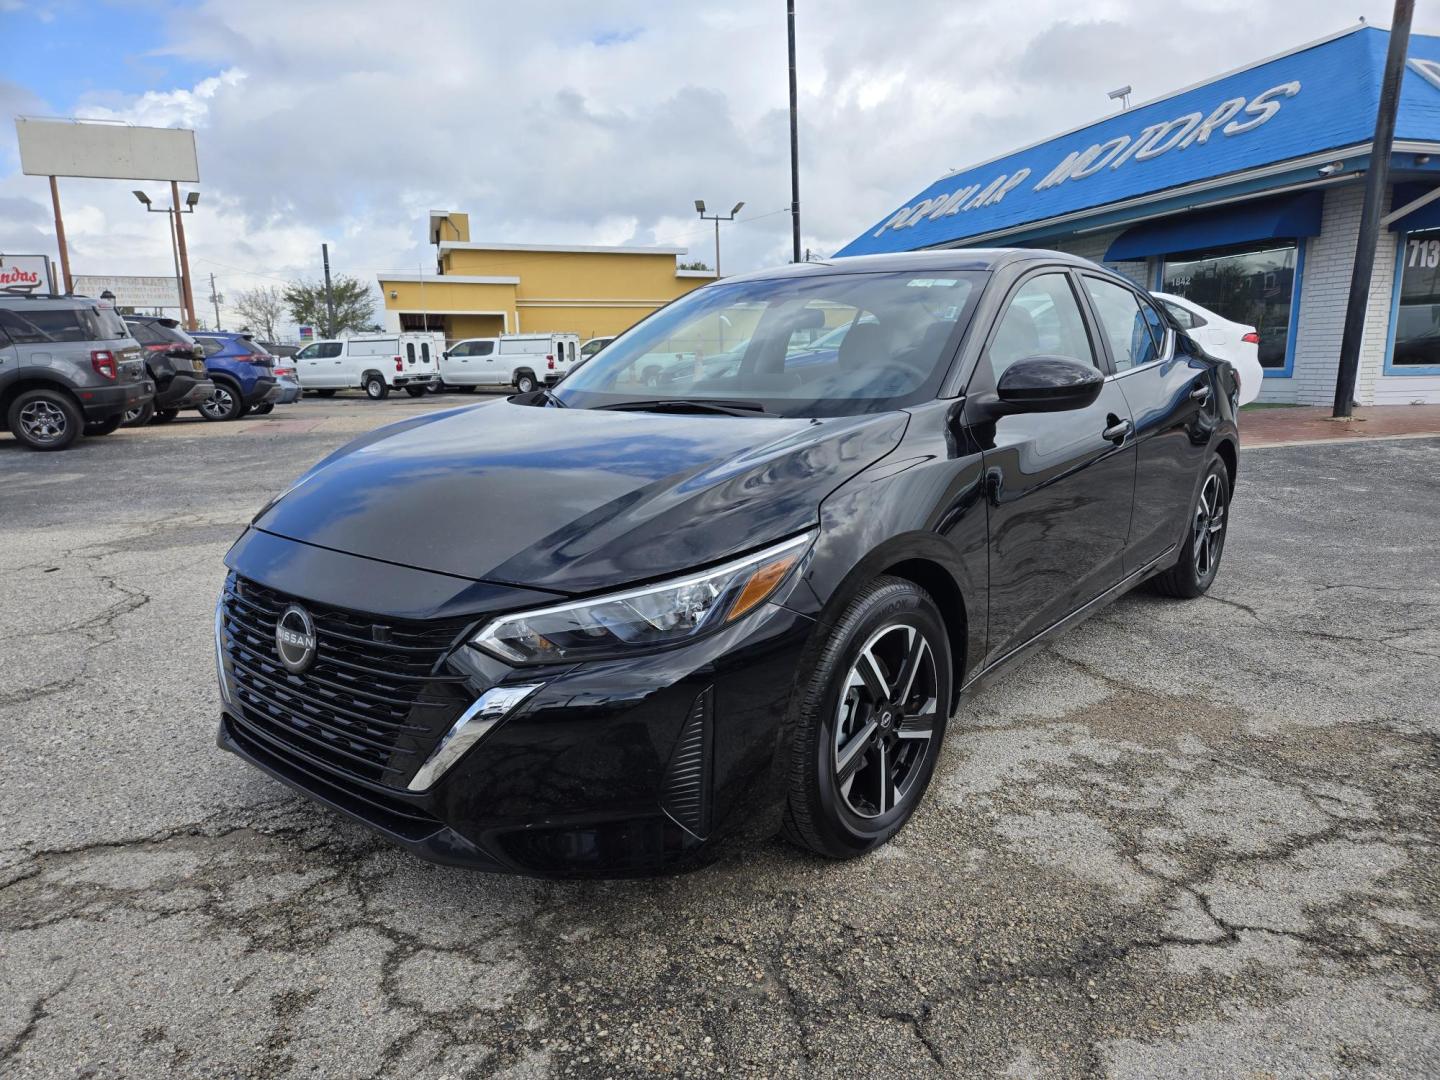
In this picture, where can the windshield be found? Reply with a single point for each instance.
(833, 345)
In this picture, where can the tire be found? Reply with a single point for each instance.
(892, 621)
(164, 416)
(415, 391)
(223, 404)
(96, 428)
(265, 408)
(376, 388)
(525, 382)
(45, 419)
(141, 416)
(323, 393)
(1204, 543)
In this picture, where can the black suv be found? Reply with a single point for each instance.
(176, 362)
(68, 366)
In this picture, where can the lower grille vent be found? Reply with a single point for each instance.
(686, 792)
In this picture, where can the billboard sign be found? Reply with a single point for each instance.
(136, 292)
(107, 151)
(25, 274)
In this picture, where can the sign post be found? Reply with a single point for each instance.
(60, 235)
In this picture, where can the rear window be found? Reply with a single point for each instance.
(39, 325)
(159, 333)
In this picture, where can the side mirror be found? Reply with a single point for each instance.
(1046, 384)
(446, 354)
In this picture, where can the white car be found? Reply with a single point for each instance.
(523, 361)
(1218, 336)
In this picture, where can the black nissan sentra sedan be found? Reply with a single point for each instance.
(734, 575)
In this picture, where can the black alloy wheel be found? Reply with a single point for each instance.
(870, 722)
(1205, 540)
(45, 419)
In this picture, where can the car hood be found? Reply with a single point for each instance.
(575, 500)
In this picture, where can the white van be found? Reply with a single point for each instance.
(523, 361)
(370, 362)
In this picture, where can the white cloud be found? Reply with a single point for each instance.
(347, 120)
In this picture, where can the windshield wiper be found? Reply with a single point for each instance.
(723, 406)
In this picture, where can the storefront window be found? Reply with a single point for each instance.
(1253, 285)
(1417, 328)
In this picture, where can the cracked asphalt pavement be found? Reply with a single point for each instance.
(1189, 839)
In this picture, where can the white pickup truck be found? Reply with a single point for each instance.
(375, 363)
(524, 361)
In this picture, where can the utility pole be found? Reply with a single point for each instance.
(1377, 177)
(329, 299)
(794, 140)
(184, 255)
(215, 299)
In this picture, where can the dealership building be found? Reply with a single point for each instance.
(1242, 193)
(487, 289)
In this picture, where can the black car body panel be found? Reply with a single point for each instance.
(592, 499)
(1016, 524)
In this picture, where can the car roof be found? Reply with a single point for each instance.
(982, 259)
(9, 298)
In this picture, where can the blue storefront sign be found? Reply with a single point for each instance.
(1243, 128)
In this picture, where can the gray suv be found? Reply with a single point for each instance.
(68, 366)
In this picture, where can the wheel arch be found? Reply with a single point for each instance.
(1231, 457)
(515, 375)
(922, 560)
(10, 391)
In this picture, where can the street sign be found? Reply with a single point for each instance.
(26, 274)
(135, 292)
(307, 333)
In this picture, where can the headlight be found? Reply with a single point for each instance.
(658, 615)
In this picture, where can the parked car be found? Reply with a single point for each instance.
(68, 366)
(284, 352)
(375, 363)
(176, 363)
(288, 382)
(1218, 336)
(522, 361)
(600, 629)
(243, 374)
(593, 346)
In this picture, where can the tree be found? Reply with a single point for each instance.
(262, 310)
(353, 302)
(697, 265)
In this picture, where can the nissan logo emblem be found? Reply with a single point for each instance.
(295, 639)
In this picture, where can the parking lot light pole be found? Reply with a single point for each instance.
(717, 218)
(177, 247)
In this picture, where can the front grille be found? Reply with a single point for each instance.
(373, 703)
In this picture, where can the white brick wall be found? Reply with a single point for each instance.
(1093, 246)
(1324, 287)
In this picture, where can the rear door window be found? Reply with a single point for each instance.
(410, 351)
(212, 346)
(425, 352)
(1124, 323)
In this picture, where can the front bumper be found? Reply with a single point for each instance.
(103, 402)
(609, 768)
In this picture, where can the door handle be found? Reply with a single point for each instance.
(1201, 392)
(1117, 431)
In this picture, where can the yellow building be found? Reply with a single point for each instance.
(483, 290)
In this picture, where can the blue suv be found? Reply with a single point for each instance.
(243, 374)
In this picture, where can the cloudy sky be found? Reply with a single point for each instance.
(555, 121)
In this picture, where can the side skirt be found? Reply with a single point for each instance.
(1120, 588)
